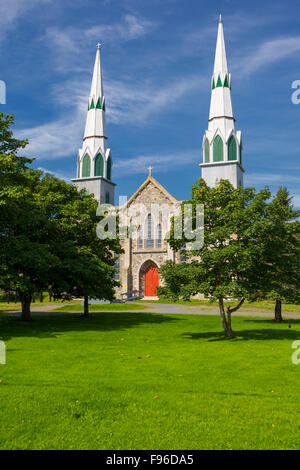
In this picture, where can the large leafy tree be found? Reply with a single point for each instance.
(88, 262)
(234, 261)
(283, 253)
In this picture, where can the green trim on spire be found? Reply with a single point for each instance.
(213, 84)
(98, 105)
(92, 104)
(103, 105)
(219, 83)
(226, 84)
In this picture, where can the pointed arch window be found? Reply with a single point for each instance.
(159, 236)
(99, 165)
(232, 149)
(206, 151)
(78, 167)
(140, 237)
(107, 201)
(218, 149)
(108, 171)
(86, 166)
(150, 234)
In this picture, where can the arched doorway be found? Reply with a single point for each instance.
(149, 279)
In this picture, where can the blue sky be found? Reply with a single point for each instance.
(157, 60)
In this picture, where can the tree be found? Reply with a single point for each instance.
(48, 232)
(233, 262)
(283, 254)
(88, 262)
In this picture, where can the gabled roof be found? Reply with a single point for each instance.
(152, 180)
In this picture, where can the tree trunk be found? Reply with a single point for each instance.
(226, 321)
(278, 315)
(42, 297)
(26, 301)
(86, 306)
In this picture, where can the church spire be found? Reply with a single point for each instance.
(95, 122)
(221, 104)
(94, 163)
(222, 144)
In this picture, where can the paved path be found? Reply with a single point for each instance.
(163, 308)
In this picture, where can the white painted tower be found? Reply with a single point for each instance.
(94, 163)
(222, 144)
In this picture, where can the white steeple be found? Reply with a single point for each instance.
(222, 144)
(95, 128)
(94, 164)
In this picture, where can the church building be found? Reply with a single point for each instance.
(146, 249)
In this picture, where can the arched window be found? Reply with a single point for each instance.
(140, 237)
(232, 150)
(206, 151)
(78, 167)
(218, 149)
(117, 267)
(150, 234)
(107, 197)
(86, 166)
(108, 172)
(99, 164)
(159, 236)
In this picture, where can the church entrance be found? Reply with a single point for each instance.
(149, 279)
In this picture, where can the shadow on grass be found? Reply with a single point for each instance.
(282, 332)
(47, 326)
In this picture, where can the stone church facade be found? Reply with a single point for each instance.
(145, 250)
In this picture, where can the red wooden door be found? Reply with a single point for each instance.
(151, 281)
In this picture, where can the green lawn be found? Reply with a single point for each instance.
(99, 307)
(264, 304)
(148, 381)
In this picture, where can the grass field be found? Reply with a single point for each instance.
(148, 381)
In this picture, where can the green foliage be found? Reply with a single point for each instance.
(48, 233)
(247, 241)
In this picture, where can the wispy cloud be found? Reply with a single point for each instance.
(67, 45)
(266, 54)
(163, 162)
(133, 102)
(63, 175)
(11, 11)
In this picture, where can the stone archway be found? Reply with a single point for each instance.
(148, 279)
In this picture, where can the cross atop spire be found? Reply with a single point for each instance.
(220, 18)
(150, 170)
(99, 45)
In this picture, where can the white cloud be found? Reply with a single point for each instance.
(163, 162)
(12, 10)
(67, 45)
(135, 103)
(271, 178)
(267, 54)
